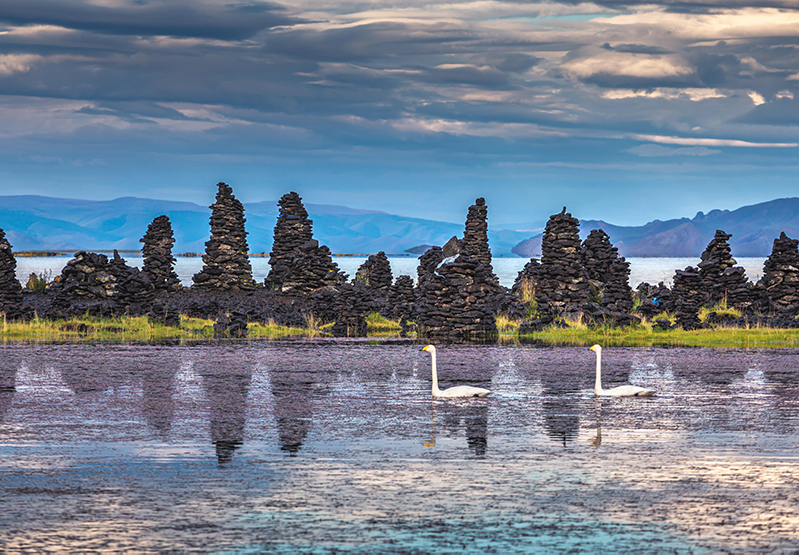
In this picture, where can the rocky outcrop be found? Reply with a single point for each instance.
(608, 272)
(91, 283)
(402, 299)
(688, 296)
(353, 303)
(159, 264)
(475, 235)
(299, 264)
(226, 258)
(780, 282)
(563, 287)
(10, 289)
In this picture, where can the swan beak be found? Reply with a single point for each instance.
(424, 348)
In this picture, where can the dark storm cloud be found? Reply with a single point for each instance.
(178, 18)
(781, 111)
(517, 63)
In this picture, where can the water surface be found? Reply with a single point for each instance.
(317, 446)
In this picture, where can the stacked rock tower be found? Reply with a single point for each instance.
(688, 296)
(563, 286)
(723, 280)
(375, 273)
(608, 270)
(10, 289)
(475, 234)
(299, 263)
(780, 281)
(159, 264)
(226, 258)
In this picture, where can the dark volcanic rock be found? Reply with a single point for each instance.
(159, 264)
(402, 299)
(455, 298)
(298, 263)
(563, 287)
(609, 271)
(375, 273)
(353, 303)
(233, 324)
(475, 235)
(10, 289)
(654, 299)
(780, 281)
(724, 282)
(226, 258)
(162, 314)
(688, 296)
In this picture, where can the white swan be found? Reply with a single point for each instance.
(457, 391)
(621, 391)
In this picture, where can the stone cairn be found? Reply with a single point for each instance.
(226, 259)
(299, 264)
(455, 298)
(375, 273)
(609, 273)
(353, 303)
(724, 282)
(10, 288)
(159, 264)
(402, 302)
(475, 236)
(563, 287)
(780, 281)
(688, 296)
(90, 283)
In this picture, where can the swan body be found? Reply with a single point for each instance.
(457, 391)
(621, 391)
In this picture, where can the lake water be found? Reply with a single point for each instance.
(652, 270)
(325, 445)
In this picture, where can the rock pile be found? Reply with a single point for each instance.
(608, 272)
(688, 296)
(163, 314)
(159, 264)
(455, 299)
(563, 287)
(10, 288)
(226, 258)
(654, 299)
(299, 264)
(724, 282)
(375, 273)
(353, 303)
(475, 235)
(402, 299)
(233, 324)
(780, 281)
(90, 283)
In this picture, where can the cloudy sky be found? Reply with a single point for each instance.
(620, 111)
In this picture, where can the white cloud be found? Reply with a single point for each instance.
(17, 63)
(757, 98)
(785, 94)
(657, 150)
(692, 94)
(690, 141)
(629, 65)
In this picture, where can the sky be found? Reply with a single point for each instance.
(618, 110)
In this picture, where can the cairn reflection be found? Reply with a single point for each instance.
(8, 382)
(226, 388)
(293, 409)
(561, 408)
(471, 415)
(597, 441)
(158, 403)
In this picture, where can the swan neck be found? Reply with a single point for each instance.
(598, 383)
(435, 374)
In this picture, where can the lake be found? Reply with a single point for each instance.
(326, 445)
(652, 270)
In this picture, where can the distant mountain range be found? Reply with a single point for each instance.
(753, 230)
(46, 223)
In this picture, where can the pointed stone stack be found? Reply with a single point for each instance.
(456, 300)
(134, 291)
(780, 281)
(428, 263)
(563, 287)
(608, 271)
(10, 288)
(375, 273)
(226, 258)
(475, 235)
(159, 264)
(402, 299)
(354, 303)
(724, 281)
(299, 264)
(688, 296)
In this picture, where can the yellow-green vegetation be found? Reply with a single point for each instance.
(378, 326)
(125, 329)
(507, 325)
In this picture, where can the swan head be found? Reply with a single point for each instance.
(429, 349)
(596, 348)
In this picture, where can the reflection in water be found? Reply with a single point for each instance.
(158, 404)
(8, 379)
(88, 369)
(562, 418)
(293, 409)
(472, 413)
(598, 409)
(227, 393)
